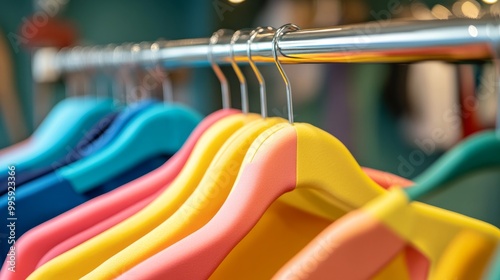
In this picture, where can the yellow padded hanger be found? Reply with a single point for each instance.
(467, 257)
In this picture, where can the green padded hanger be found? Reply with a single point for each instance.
(479, 151)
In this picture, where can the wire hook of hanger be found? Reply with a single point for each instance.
(166, 83)
(276, 38)
(239, 74)
(226, 97)
(260, 78)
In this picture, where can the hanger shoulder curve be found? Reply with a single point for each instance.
(66, 124)
(158, 130)
(478, 152)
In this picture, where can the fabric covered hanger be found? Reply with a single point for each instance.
(295, 157)
(85, 257)
(477, 152)
(66, 231)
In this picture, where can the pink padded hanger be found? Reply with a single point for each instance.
(33, 245)
(198, 255)
(98, 228)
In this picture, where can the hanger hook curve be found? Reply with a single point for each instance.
(260, 78)
(226, 97)
(239, 74)
(276, 38)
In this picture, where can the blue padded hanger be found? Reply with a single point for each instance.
(117, 126)
(160, 130)
(101, 134)
(61, 130)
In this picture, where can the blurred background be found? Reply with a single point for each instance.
(394, 117)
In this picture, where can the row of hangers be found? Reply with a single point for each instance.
(230, 176)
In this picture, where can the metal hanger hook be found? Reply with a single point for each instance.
(166, 83)
(226, 97)
(276, 38)
(237, 70)
(260, 78)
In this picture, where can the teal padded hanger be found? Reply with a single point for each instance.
(61, 130)
(159, 130)
(477, 152)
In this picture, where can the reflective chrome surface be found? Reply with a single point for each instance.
(394, 41)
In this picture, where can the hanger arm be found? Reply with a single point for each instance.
(478, 152)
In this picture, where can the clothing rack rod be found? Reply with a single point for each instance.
(375, 42)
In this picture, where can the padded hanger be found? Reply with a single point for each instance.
(160, 130)
(116, 127)
(299, 160)
(477, 152)
(84, 258)
(65, 125)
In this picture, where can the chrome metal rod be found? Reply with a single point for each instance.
(394, 41)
